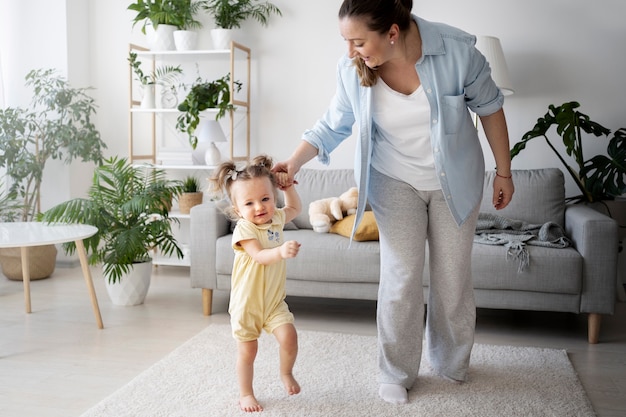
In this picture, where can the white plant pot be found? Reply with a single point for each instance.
(132, 288)
(161, 39)
(221, 38)
(185, 40)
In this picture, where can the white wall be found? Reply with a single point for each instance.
(557, 51)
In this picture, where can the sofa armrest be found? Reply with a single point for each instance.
(594, 235)
(207, 224)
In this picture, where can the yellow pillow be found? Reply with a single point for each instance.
(367, 230)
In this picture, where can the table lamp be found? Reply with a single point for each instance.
(210, 131)
(490, 47)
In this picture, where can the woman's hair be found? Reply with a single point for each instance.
(227, 173)
(378, 15)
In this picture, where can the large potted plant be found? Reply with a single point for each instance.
(205, 95)
(599, 178)
(130, 207)
(57, 125)
(230, 14)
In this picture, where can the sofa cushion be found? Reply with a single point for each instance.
(321, 255)
(551, 270)
(367, 230)
(539, 196)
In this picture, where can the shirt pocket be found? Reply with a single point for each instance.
(453, 113)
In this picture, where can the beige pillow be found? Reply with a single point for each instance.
(367, 230)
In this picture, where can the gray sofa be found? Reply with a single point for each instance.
(577, 279)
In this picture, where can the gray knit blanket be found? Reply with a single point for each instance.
(514, 235)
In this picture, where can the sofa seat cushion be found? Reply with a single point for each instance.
(322, 257)
(550, 270)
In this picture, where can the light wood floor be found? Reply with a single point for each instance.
(56, 362)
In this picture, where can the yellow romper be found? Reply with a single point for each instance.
(257, 295)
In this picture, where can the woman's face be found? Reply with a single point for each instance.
(372, 47)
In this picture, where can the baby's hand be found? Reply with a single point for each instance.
(289, 249)
(282, 179)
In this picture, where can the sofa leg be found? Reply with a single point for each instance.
(207, 301)
(593, 323)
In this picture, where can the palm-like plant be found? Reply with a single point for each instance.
(598, 178)
(229, 14)
(165, 75)
(129, 206)
(179, 13)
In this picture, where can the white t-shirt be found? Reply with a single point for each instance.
(401, 143)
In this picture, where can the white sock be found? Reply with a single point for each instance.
(392, 393)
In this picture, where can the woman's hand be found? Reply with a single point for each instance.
(503, 190)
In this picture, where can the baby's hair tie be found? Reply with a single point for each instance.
(232, 173)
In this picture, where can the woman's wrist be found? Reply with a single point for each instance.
(506, 177)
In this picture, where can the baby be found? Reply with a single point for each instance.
(257, 298)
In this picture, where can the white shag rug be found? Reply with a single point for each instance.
(337, 373)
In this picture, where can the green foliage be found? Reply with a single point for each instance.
(205, 95)
(191, 184)
(129, 206)
(179, 13)
(599, 178)
(57, 125)
(10, 208)
(163, 75)
(229, 14)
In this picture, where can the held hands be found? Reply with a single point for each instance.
(503, 190)
(289, 249)
(283, 178)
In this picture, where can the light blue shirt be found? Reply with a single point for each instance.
(455, 77)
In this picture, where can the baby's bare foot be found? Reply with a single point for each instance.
(291, 385)
(249, 404)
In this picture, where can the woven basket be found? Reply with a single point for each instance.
(41, 261)
(187, 200)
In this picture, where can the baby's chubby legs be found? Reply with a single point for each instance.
(287, 338)
(246, 353)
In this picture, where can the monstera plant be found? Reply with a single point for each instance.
(601, 177)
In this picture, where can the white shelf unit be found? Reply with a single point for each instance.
(152, 130)
(238, 58)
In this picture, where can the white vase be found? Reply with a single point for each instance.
(185, 40)
(132, 288)
(221, 38)
(147, 99)
(161, 39)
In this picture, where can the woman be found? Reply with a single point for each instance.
(407, 84)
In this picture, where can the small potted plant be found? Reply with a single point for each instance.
(165, 17)
(165, 76)
(186, 36)
(191, 194)
(205, 95)
(229, 14)
(129, 206)
(57, 125)
(601, 177)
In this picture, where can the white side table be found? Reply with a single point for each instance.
(25, 234)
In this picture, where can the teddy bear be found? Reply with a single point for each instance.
(323, 213)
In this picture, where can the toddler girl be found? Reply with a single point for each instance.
(257, 298)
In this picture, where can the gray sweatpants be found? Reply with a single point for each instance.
(406, 219)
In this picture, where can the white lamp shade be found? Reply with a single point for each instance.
(490, 47)
(209, 130)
